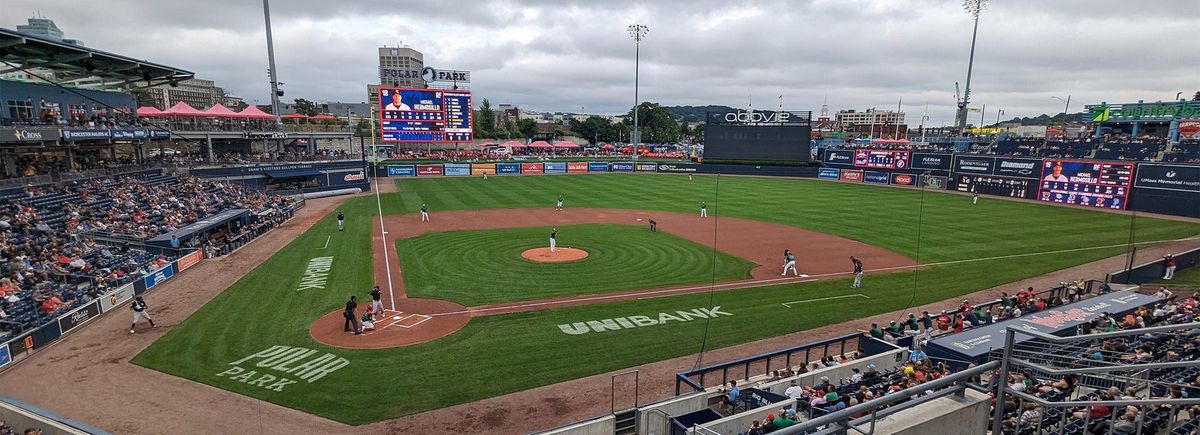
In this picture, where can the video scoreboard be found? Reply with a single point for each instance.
(425, 115)
(881, 159)
(1096, 184)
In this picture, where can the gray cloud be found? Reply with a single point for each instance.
(567, 54)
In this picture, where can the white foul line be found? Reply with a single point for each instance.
(789, 304)
(383, 240)
(326, 242)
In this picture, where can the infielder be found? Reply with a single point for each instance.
(789, 262)
(703, 209)
(139, 312)
(376, 303)
(558, 204)
(553, 234)
(424, 213)
(857, 272)
(341, 221)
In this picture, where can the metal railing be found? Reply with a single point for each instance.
(839, 343)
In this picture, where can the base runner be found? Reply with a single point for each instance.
(789, 262)
(139, 312)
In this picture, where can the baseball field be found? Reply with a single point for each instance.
(531, 324)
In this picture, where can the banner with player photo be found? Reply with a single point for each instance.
(1087, 183)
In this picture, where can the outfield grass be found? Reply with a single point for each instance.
(495, 355)
(484, 267)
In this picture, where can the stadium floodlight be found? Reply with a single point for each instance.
(638, 32)
(973, 8)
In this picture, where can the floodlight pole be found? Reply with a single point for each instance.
(271, 71)
(637, 31)
(974, 8)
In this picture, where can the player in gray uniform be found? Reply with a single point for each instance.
(139, 312)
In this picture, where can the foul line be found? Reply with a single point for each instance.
(651, 294)
(789, 304)
(383, 240)
(326, 242)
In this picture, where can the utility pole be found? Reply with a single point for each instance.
(973, 8)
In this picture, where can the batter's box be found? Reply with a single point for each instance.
(412, 320)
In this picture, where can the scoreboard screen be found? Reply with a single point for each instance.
(425, 115)
(1095, 184)
(992, 185)
(881, 159)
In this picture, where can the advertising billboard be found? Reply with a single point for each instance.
(1184, 178)
(483, 168)
(974, 165)
(904, 179)
(116, 297)
(932, 161)
(78, 316)
(425, 115)
(1189, 130)
(456, 169)
(830, 173)
(1095, 184)
(531, 168)
(666, 167)
(597, 166)
(158, 276)
(402, 171)
(1017, 167)
(839, 157)
(508, 168)
(876, 177)
(577, 167)
(622, 166)
(5, 355)
(554, 167)
(647, 167)
(426, 170)
(881, 159)
(852, 175)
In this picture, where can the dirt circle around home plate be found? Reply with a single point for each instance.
(560, 255)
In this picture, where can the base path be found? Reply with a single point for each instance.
(818, 256)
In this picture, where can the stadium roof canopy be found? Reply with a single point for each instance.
(72, 62)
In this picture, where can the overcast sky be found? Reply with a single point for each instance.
(561, 55)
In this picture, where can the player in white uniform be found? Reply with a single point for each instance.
(424, 213)
(558, 204)
(553, 235)
(789, 262)
(703, 209)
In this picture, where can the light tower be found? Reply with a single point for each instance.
(637, 31)
(973, 8)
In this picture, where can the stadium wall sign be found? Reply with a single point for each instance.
(619, 323)
(297, 362)
(1142, 111)
(431, 74)
(315, 274)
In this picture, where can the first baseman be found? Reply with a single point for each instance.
(553, 234)
(789, 262)
(424, 213)
(139, 312)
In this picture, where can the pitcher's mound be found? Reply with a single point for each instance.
(560, 255)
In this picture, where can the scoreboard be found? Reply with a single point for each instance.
(1095, 184)
(425, 115)
(881, 159)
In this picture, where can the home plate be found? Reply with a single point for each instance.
(396, 317)
(805, 275)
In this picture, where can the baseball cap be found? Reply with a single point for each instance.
(831, 396)
(770, 416)
(870, 366)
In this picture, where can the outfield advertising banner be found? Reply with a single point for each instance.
(1017, 167)
(191, 259)
(829, 173)
(904, 179)
(158, 276)
(1184, 178)
(597, 166)
(877, 177)
(622, 166)
(402, 171)
(932, 161)
(854, 175)
(456, 169)
(483, 168)
(672, 167)
(647, 167)
(116, 297)
(974, 165)
(425, 170)
(78, 316)
(839, 157)
(933, 182)
(554, 167)
(577, 167)
(508, 168)
(531, 168)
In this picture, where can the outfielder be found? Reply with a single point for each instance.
(789, 262)
(341, 221)
(139, 312)
(703, 209)
(553, 234)
(376, 303)
(857, 272)
(974, 198)
(424, 213)
(558, 204)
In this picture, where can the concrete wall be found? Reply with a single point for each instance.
(651, 418)
(605, 425)
(18, 418)
(883, 362)
(950, 415)
(740, 422)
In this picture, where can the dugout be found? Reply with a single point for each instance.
(196, 233)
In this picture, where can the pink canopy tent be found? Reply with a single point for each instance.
(513, 144)
(541, 144)
(220, 111)
(608, 146)
(295, 116)
(148, 111)
(254, 112)
(182, 109)
(565, 144)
